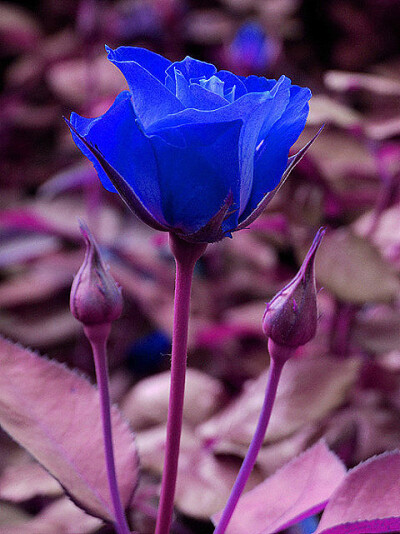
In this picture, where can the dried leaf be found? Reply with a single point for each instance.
(340, 156)
(324, 109)
(36, 284)
(205, 481)
(383, 128)
(377, 329)
(385, 236)
(42, 330)
(67, 78)
(353, 270)
(345, 81)
(209, 27)
(59, 217)
(54, 413)
(23, 249)
(19, 483)
(62, 517)
(151, 446)
(147, 402)
(363, 431)
(367, 501)
(298, 490)
(309, 390)
(19, 31)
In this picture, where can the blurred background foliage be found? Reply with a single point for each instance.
(345, 385)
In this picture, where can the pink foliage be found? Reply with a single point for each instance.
(298, 490)
(54, 413)
(368, 499)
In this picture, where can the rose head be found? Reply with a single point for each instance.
(192, 150)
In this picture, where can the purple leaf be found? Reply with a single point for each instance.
(298, 490)
(310, 388)
(204, 479)
(353, 269)
(19, 483)
(147, 402)
(62, 517)
(43, 280)
(325, 109)
(367, 501)
(67, 77)
(24, 249)
(60, 325)
(54, 413)
(344, 81)
(58, 217)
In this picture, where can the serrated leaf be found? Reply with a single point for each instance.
(298, 490)
(54, 413)
(367, 501)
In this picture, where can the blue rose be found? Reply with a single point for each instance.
(192, 150)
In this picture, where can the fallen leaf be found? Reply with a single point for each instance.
(377, 329)
(19, 483)
(345, 81)
(309, 390)
(23, 249)
(353, 270)
(326, 110)
(19, 30)
(206, 480)
(62, 517)
(147, 402)
(59, 326)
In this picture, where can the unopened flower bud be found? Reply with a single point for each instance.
(290, 319)
(95, 297)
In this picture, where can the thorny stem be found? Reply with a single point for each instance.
(275, 371)
(186, 254)
(98, 335)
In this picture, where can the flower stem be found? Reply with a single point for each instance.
(186, 254)
(275, 371)
(98, 335)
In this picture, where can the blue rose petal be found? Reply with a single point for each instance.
(127, 138)
(192, 150)
(272, 157)
(255, 84)
(197, 166)
(193, 95)
(151, 99)
(155, 64)
(191, 69)
(232, 81)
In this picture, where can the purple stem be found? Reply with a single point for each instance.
(275, 371)
(98, 335)
(186, 254)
